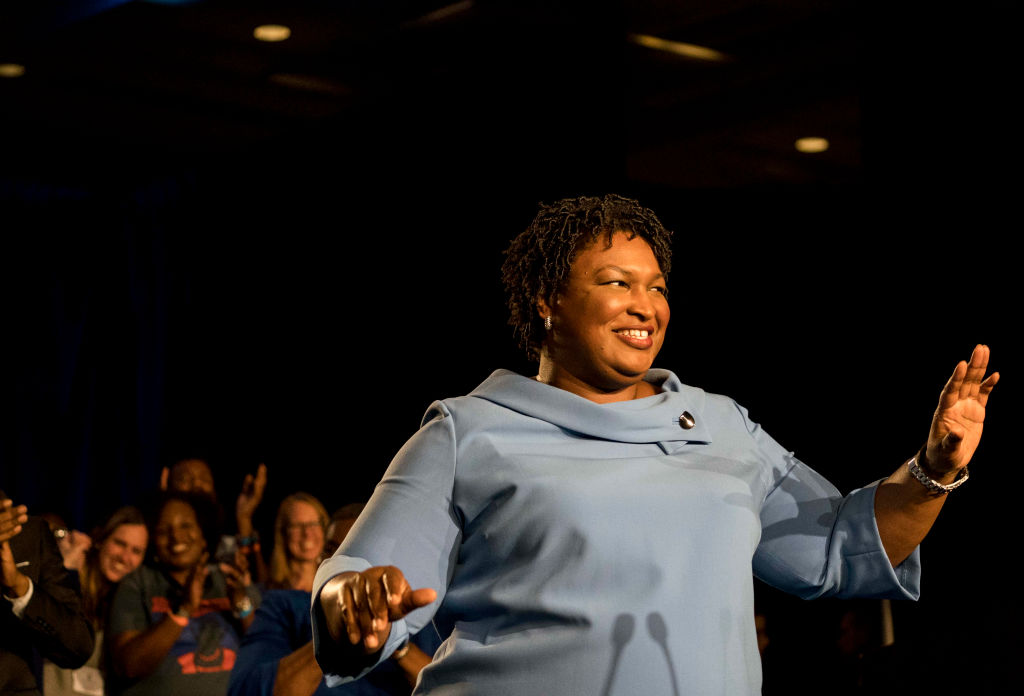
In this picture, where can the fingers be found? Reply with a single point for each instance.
(359, 613)
(376, 598)
(377, 610)
(968, 381)
(261, 480)
(986, 388)
(414, 599)
(241, 562)
(348, 614)
(12, 517)
(232, 575)
(975, 372)
(80, 540)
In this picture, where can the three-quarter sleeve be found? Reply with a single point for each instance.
(410, 522)
(815, 542)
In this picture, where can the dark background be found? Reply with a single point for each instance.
(283, 253)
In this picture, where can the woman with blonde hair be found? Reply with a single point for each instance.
(298, 541)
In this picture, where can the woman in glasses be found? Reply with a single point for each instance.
(298, 542)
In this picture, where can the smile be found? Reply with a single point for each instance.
(636, 338)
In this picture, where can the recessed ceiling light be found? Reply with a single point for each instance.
(811, 144)
(686, 50)
(11, 70)
(271, 32)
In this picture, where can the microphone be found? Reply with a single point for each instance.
(622, 632)
(659, 632)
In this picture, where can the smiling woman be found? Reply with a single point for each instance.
(608, 322)
(118, 548)
(175, 625)
(298, 542)
(539, 520)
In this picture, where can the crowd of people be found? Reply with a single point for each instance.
(165, 598)
(591, 528)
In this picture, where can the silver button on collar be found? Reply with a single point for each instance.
(686, 421)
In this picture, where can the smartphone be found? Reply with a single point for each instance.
(226, 548)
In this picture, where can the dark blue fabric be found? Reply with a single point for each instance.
(282, 625)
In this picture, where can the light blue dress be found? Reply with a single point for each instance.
(580, 548)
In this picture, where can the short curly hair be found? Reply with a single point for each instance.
(537, 261)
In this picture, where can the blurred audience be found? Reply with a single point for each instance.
(116, 548)
(277, 657)
(195, 476)
(40, 611)
(175, 624)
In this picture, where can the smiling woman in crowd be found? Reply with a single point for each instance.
(175, 624)
(591, 528)
(298, 541)
(118, 548)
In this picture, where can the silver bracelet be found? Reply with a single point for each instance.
(933, 485)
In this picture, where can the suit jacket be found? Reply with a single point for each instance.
(53, 625)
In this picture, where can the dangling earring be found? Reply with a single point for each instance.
(547, 323)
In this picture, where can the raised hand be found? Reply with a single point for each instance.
(249, 498)
(73, 547)
(12, 517)
(359, 607)
(958, 421)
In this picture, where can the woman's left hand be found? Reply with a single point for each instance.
(958, 420)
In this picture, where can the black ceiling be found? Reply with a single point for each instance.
(485, 80)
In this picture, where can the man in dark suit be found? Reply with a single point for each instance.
(40, 607)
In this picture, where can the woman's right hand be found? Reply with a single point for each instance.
(359, 607)
(194, 585)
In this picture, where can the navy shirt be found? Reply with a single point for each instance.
(282, 626)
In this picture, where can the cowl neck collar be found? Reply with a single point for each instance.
(650, 419)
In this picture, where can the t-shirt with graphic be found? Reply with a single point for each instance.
(200, 662)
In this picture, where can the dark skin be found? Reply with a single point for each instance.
(904, 509)
(607, 325)
(13, 583)
(299, 674)
(181, 550)
(195, 475)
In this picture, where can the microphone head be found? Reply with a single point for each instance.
(657, 628)
(622, 631)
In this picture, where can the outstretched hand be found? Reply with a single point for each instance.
(959, 419)
(359, 607)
